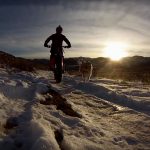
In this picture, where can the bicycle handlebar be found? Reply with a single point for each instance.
(61, 46)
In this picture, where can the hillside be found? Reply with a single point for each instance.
(22, 63)
(129, 68)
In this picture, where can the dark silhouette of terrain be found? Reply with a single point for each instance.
(129, 68)
(8, 60)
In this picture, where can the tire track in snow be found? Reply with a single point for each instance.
(108, 95)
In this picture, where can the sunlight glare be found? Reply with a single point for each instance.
(115, 51)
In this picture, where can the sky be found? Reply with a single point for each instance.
(89, 25)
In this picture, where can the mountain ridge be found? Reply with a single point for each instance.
(135, 67)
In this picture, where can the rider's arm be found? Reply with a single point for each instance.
(47, 41)
(67, 42)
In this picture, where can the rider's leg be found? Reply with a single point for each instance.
(52, 63)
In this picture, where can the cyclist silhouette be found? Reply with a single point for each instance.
(57, 40)
(56, 58)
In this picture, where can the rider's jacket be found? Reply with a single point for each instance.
(57, 41)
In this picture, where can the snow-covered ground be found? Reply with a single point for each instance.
(37, 114)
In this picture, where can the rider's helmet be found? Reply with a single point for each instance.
(59, 29)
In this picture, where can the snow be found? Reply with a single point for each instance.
(110, 114)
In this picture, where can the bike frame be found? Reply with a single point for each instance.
(57, 65)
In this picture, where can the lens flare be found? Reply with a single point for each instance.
(115, 51)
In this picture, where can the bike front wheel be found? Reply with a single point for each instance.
(58, 75)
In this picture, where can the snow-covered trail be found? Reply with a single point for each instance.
(20, 129)
(109, 126)
(37, 114)
(132, 95)
(122, 117)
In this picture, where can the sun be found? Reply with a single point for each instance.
(115, 50)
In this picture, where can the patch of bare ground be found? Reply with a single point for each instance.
(54, 98)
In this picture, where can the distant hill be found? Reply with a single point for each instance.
(131, 68)
(22, 63)
(6, 58)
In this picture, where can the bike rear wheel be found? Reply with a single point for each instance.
(58, 69)
(58, 76)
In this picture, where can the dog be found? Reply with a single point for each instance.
(86, 69)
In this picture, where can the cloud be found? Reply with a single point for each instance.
(25, 24)
(28, 2)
